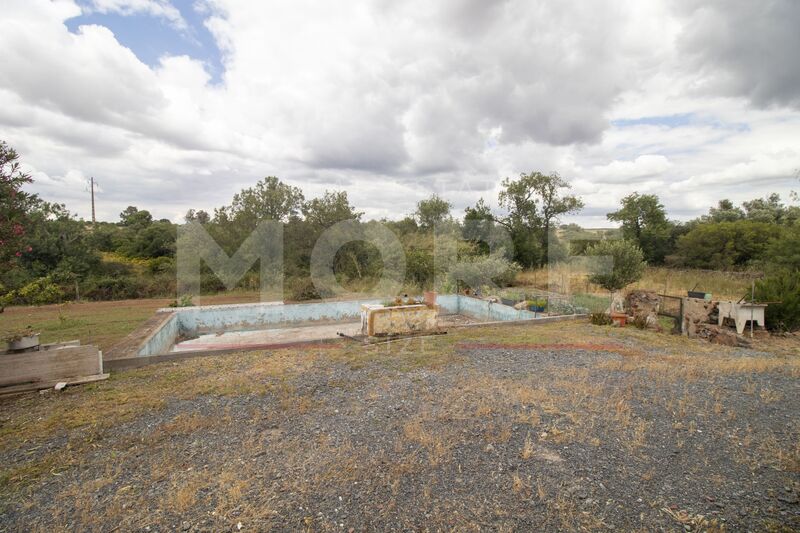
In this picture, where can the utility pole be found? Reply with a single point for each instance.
(93, 218)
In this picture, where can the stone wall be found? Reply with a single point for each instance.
(697, 312)
(645, 305)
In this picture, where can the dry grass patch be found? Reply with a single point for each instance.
(521, 487)
(183, 495)
(187, 424)
(436, 444)
(527, 448)
(573, 278)
(687, 368)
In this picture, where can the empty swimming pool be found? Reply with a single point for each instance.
(268, 324)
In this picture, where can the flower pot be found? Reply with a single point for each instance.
(536, 308)
(508, 302)
(619, 319)
(430, 298)
(24, 343)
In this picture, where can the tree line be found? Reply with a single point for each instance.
(47, 254)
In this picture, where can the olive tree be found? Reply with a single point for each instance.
(627, 264)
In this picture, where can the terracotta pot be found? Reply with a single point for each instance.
(430, 298)
(619, 319)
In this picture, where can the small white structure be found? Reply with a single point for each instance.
(741, 313)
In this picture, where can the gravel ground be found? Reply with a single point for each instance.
(622, 436)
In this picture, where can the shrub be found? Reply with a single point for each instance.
(40, 292)
(484, 270)
(783, 287)
(419, 267)
(725, 244)
(600, 319)
(161, 265)
(113, 288)
(183, 301)
(560, 307)
(157, 285)
(627, 264)
(303, 289)
(210, 283)
(7, 299)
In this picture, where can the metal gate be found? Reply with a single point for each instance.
(672, 307)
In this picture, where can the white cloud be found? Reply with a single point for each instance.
(760, 170)
(393, 101)
(156, 8)
(644, 166)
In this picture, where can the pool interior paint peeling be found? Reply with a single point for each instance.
(226, 327)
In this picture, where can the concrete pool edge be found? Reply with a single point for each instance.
(157, 336)
(138, 361)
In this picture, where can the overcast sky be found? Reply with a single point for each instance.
(175, 104)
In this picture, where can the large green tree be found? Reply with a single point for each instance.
(535, 202)
(60, 245)
(725, 245)
(197, 216)
(644, 222)
(432, 211)
(772, 210)
(479, 225)
(724, 212)
(783, 250)
(330, 208)
(134, 218)
(269, 199)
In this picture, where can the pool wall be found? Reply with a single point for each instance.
(191, 321)
(162, 339)
(481, 309)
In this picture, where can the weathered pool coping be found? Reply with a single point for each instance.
(160, 333)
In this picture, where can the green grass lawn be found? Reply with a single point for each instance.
(100, 323)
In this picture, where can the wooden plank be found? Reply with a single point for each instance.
(30, 387)
(57, 345)
(50, 365)
(49, 346)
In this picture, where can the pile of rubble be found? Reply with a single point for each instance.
(644, 305)
(700, 317)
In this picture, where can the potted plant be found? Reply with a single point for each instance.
(511, 298)
(538, 305)
(627, 266)
(22, 339)
(508, 301)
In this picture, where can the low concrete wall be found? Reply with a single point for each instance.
(216, 318)
(213, 318)
(399, 320)
(162, 339)
(481, 309)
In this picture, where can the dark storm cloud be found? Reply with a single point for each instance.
(745, 48)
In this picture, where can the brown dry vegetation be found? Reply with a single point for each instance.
(571, 279)
(417, 433)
